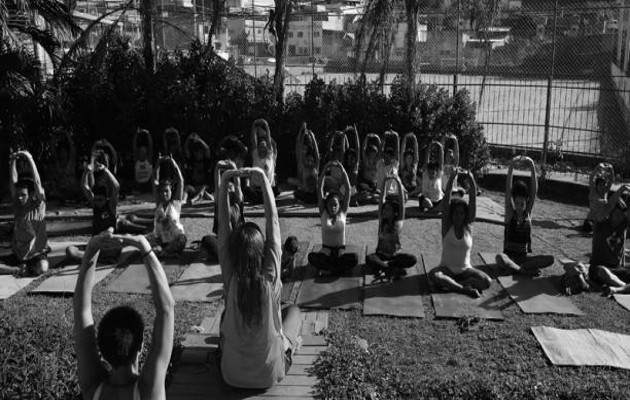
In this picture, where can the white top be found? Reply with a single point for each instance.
(99, 389)
(266, 164)
(456, 252)
(143, 171)
(382, 171)
(166, 222)
(432, 188)
(333, 233)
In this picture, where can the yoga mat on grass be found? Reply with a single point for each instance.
(456, 305)
(398, 299)
(301, 261)
(65, 280)
(623, 300)
(135, 279)
(343, 292)
(69, 227)
(200, 283)
(534, 295)
(10, 285)
(577, 347)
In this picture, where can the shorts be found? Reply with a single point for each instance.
(620, 272)
(12, 261)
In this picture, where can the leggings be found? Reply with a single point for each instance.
(335, 262)
(378, 262)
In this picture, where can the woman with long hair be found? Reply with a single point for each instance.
(455, 272)
(257, 337)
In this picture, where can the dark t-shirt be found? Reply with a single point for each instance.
(103, 218)
(608, 244)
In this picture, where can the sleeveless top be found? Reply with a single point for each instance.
(136, 392)
(143, 171)
(103, 218)
(267, 164)
(333, 233)
(432, 188)
(166, 222)
(29, 229)
(456, 252)
(518, 236)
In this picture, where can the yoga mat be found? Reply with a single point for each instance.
(490, 211)
(200, 283)
(333, 292)
(534, 295)
(456, 305)
(69, 227)
(592, 347)
(398, 299)
(65, 280)
(10, 285)
(301, 260)
(135, 279)
(623, 300)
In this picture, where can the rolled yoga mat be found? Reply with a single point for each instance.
(456, 305)
(578, 347)
(342, 292)
(534, 295)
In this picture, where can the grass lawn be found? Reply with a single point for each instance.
(406, 358)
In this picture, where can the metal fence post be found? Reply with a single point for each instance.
(255, 44)
(455, 75)
(549, 84)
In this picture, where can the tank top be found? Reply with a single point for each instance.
(267, 164)
(333, 233)
(432, 188)
(518, 236)
(136, 391)
(456, 252)
(166, 222)
(143, 171)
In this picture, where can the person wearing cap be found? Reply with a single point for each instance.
(607, 264)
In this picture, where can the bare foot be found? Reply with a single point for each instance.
(472, 292)
(610, 290)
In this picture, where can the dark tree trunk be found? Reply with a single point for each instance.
(146, 7)
(282, 16)
(217, 8)
(412, 8)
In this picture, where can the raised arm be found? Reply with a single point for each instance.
(156, 179)
(178, 189)
(113, 152)
(446, 205)
(345, 202)
(88, 176)
(89, 365)
(39, 189)
(272, 224)
(223, 217)
(114, 186)
(395, 139)
(13, 173)
(320, 188)
(472, 198)
(154, 369)
(509, 203)
(316, 150)
(533, 185)
(612, 202)
(440, 156)
(611, 171)
(427, 157)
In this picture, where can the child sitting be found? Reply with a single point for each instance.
(351, 158)
(143, 154)
(451, 161)
(432, 174)
(29, 243)
(455, 272)
(308, 166)
(198, 169)
(388, 262)
(600, 182)
(388, 163)
(368, 182)
(607, 264)
(519, 202)
(409, 168)
(168, 237)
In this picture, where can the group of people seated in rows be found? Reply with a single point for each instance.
(258, 336)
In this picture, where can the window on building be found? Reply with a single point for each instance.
(292, 50)
(300, 34)
(316, 34)
(318, 50)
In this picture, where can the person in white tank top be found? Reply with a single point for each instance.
(333, 209)
(168, 237)
(264, 156)
(455, 272)
(120, 332)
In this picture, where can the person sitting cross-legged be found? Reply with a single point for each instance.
(258, 338)
(29, 243)
(389, 261)
(333, 208)
(119, 338)
(455, 272)
(607, 263)
(517, 242)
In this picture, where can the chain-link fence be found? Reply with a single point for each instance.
(544, 74)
